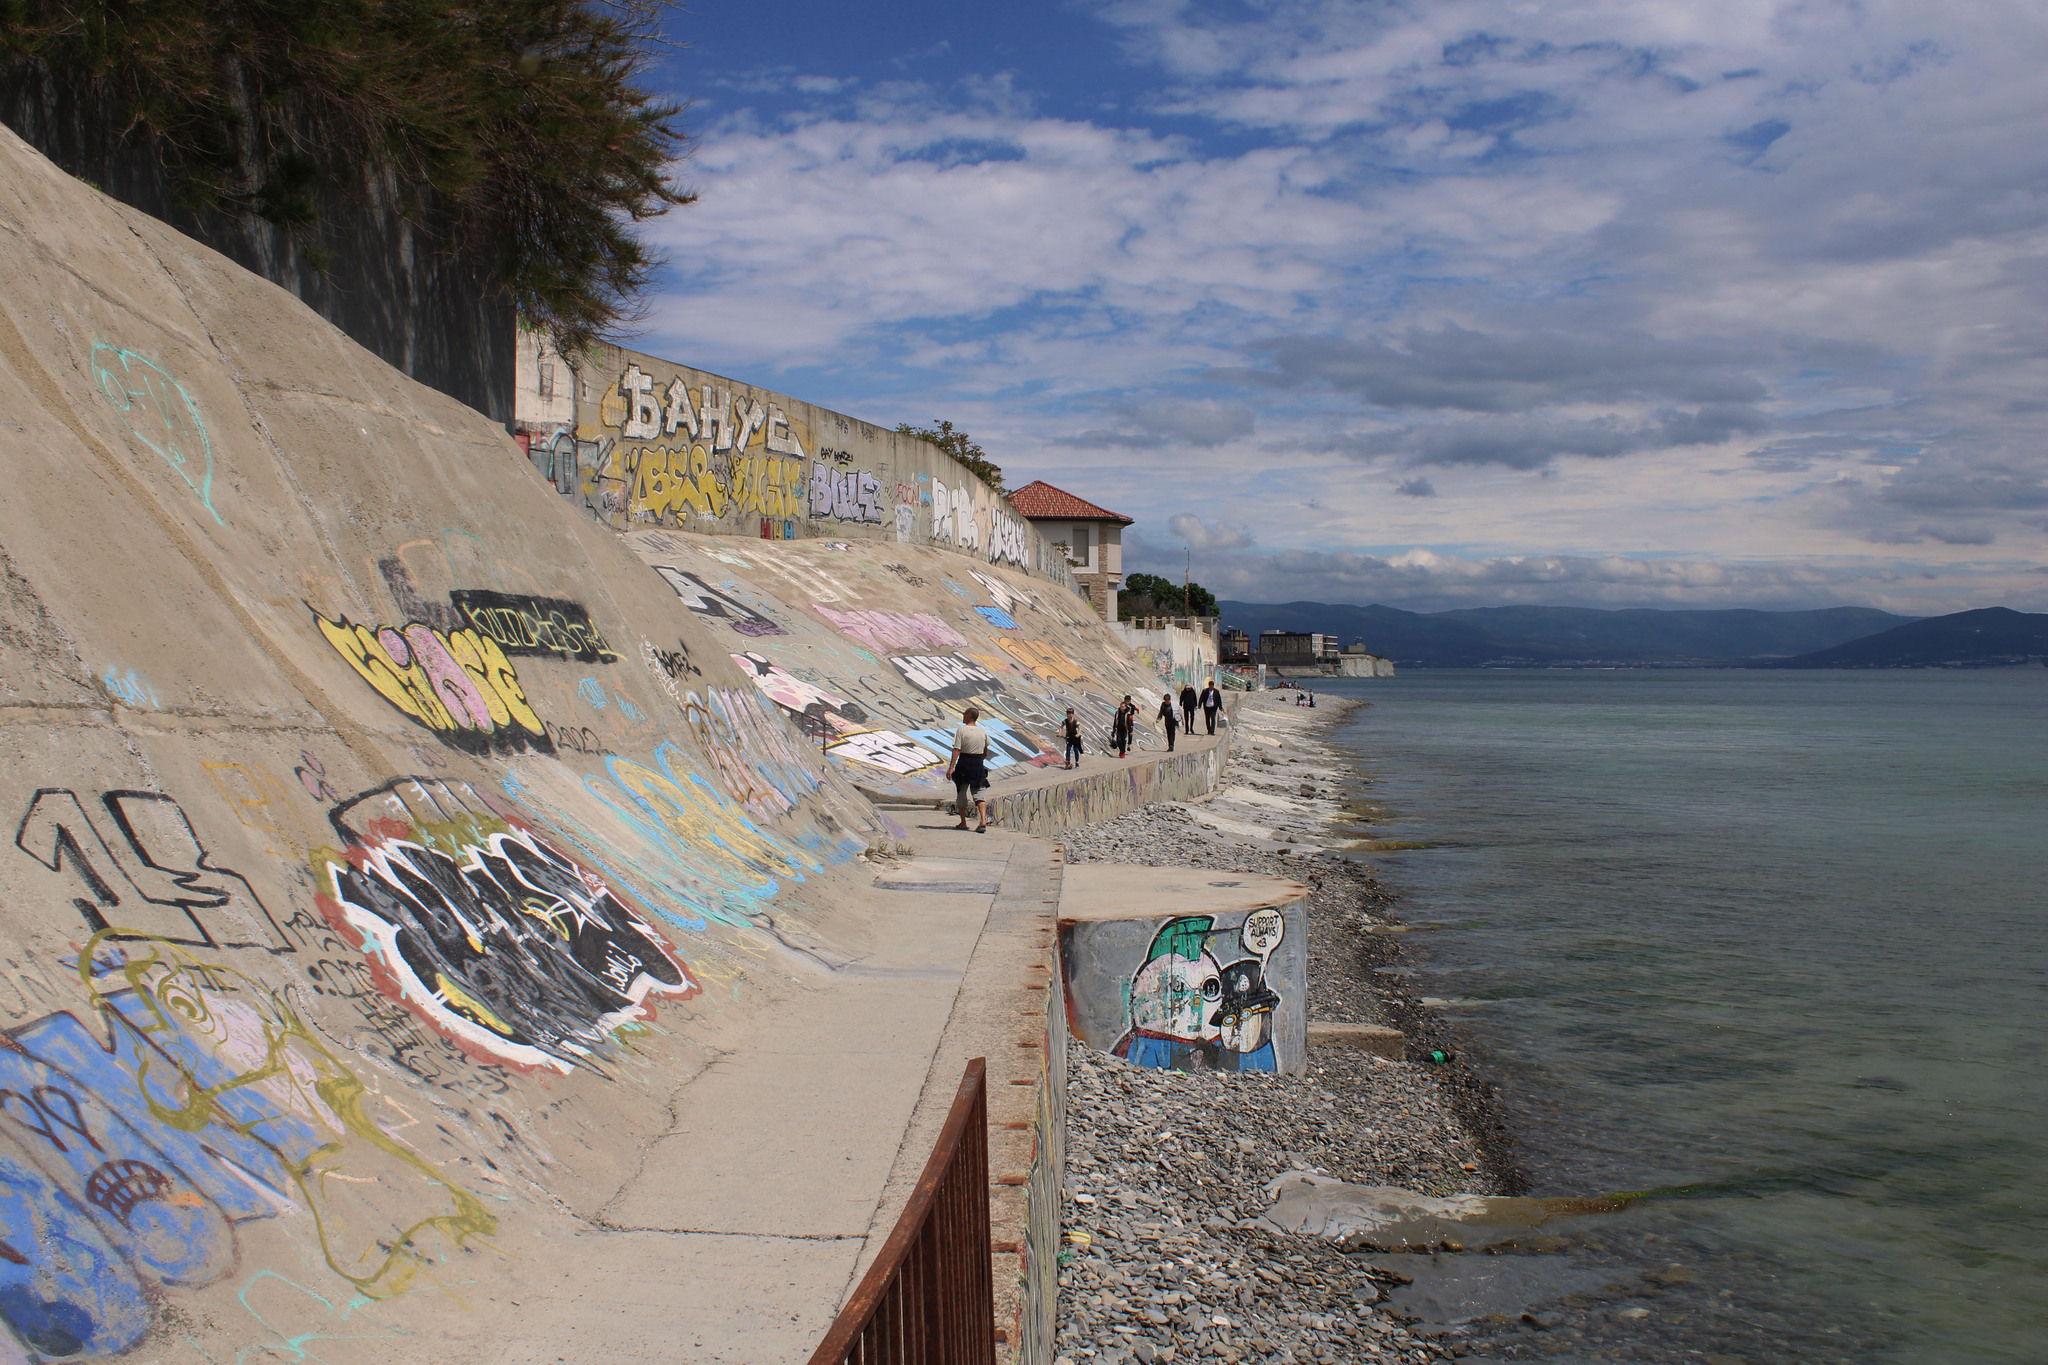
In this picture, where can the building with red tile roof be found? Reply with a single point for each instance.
(1093, 536)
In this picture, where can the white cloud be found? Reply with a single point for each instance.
(1745, 283)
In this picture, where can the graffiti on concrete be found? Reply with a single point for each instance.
(883, 631)
(153, 879)
(458, 684)
(493, 937)
(1201, 1001)
(1006, 537)
(845, 494)
(887, 750)
(129, 1153)
(129, 688)
(944, 677)
(704, 600)
(998, 618)
(551, 627)
(749, 750)
(1043, 660)
(159, 413)
(819, 713)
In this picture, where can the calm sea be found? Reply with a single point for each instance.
(1772, 942)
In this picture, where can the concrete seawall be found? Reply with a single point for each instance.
(443, 925)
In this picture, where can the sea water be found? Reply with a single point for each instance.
(1771, 944)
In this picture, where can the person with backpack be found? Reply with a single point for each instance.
(1120, 728)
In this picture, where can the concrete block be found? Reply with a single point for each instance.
(1377, 1039)
(1186, 968)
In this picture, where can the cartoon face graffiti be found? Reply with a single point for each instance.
(1192, 1011)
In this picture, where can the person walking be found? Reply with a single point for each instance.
(1120, 728)
(968, 767)
(1212, 702)
(1071, 728)
(1187, 708)
(1168, 718)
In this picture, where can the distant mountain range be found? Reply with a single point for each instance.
(1835, 637)
(1990, 635)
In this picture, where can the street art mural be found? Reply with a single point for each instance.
(496, 939)
(883, 631)
(944, 677)
(1202, 992)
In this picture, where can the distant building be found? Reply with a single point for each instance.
(1233, 646)
(1094, 537)
(1298, 648)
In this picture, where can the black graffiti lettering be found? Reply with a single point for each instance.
(583, 740)
(704, 600)
(521, 625)
(171, 867)
(676, 662)
(503, 933)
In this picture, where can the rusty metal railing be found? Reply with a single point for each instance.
(929, 1298)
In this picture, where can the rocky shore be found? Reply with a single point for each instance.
(1167, 1173)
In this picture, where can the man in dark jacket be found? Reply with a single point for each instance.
(1187, 708)
(1167, 718)
(1212, 702)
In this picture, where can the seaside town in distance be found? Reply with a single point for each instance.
(1088, 685)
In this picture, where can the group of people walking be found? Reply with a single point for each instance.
(967, 765)
(1209, 701)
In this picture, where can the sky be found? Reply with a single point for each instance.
(1470, 302)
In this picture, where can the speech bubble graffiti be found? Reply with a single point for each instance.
(1262, 931)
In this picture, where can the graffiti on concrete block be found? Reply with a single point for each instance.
(527, 626)
(674, 484)
(944, 677)
(159, 413)
(845, 494)
(883, 631)
(1202, 1000)
(494, 938)
(458, 684)
(750, 751)
(704, 600)
(153, 879)
(1046, 661)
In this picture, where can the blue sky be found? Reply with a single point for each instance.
(1729, 304)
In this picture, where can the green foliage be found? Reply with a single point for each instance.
(517, 130)
(1147, 594)
(961, 447)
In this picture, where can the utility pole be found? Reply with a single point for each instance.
(1187, 578)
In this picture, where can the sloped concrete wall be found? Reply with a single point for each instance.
(394, 841)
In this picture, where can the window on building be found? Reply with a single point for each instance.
(1081, 547)
(547, 382)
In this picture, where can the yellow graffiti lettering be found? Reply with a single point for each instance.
(770, 486)
(676, 482)
(460, 685)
